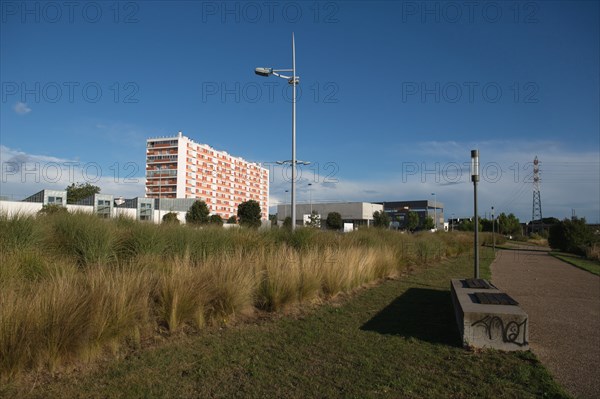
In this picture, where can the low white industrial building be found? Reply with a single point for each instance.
(357, 213)
(104, 205)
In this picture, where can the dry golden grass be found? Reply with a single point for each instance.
(76, 287)
(593, 252)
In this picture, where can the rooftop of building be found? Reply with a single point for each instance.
(180, 135)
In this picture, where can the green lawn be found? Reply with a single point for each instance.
(396, 340)
(578, 261)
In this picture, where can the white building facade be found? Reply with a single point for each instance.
(356, 213)
(178, 167)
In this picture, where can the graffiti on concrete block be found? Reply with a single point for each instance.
(512, 332)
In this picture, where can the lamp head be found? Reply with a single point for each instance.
(474, 165)
(263, 71)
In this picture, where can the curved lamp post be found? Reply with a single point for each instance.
(292, 80)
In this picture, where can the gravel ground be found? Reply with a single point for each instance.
(563, 304)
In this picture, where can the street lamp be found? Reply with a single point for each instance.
(285, 208)
(293, 80)
(475, 179)
(434, 210)
(452, 224)
(493, 232)
(159, 167)
(310, 196)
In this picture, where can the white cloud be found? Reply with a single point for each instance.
(569, 179)
(21, 108)
(23, 174)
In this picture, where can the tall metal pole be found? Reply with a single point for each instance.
(475, 178)
(159, 192)
(434, 211)
(493, 231)
(285, 208)
(293, 133)
(310, 196)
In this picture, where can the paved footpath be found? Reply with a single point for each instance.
(563, 304)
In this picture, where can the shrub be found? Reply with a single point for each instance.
(287, 223)
(279, 279)
(334, 221)
(215, 220)
(85, 237)
(139, 239)
(198, 213)
(381, 219)
(573, 236)
(170, 217)
(182, 295)
(18, 232)
(249, 214)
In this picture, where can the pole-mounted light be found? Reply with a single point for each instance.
(434, 211)
(294, 81)
(493, 231)
(475, 179)
(263, 71)
(474, 165)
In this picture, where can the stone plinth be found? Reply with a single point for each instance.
(487, 325)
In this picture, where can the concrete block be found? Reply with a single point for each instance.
(503, 327)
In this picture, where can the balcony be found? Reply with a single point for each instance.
(162, 144)
(159, 183)
(151, 158)
(163, 190)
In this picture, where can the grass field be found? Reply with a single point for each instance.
(75, 288)
(398, 339)
(589, 265)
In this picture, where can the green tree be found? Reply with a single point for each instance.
(198, 213)
(287, 223)
(334, 221)
(79, 191)
(550, 220)
(413, 221)
(314, 220)
(509, 224)
(216, 220)
(572, 236)
(232, 220)
(428, 223)
(249, 214)
(170, 217)
(486, 224)
(381, 219)
(469, 225)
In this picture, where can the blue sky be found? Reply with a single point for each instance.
(394, 95)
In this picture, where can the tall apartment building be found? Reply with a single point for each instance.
(178, 167)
